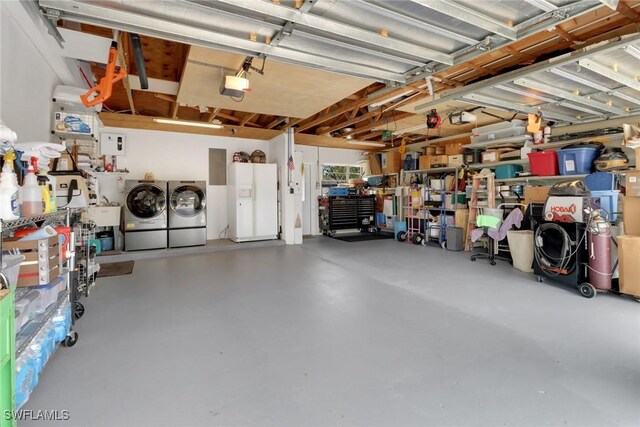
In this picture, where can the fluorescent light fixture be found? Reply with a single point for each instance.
(409, 129)
(189, 123)
(632, 50)
(367, 143)
(552, 90)
(609, 73)
(393, 98)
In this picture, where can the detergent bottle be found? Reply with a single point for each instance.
(9, 208)
(31, 194)
(43, 182)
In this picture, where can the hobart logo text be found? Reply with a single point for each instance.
(564, 209)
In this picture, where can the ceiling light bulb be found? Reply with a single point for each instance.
(589, 97)
(576, 92)
(626, 109)
(610, 103)
(578, 117)
(615, 67)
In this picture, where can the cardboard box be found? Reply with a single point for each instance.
(437, 161)
(451, 149)
(535, 194)
(103, 216)
(490, 156)
(456, 160)
(632, 184)
(425, 162)
(374, 164)
(391, 162)
(42, 262)
(631, 215)
(628, 256)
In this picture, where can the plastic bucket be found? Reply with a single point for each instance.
(575, 161)
(521, 248)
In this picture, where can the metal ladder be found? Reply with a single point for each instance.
(480, 198)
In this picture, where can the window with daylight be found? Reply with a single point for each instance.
(333, 175)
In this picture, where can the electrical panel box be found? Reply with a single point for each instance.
(113, 144)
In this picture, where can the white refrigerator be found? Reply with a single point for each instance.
(253, 201)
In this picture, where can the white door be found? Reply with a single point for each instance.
(266, 199)
(244, 200)
(307, 199)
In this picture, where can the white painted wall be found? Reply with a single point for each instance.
(317, 156)
(26, 80)
(176, 156)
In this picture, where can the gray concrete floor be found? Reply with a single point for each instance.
(334, 333)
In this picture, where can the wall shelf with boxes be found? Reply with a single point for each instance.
(439, 206)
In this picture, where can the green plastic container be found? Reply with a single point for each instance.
(7, 358)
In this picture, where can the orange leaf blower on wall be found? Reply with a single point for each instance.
(102, 90)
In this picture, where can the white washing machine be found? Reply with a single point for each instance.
(187, 213)
(145, 215)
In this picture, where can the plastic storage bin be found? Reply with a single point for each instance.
(472, 155)
(574, 161)
(608, 202)
(600, 181)
(544, 163)
(507, 171)
(339, 191)
(398, 227)
(499, 131)
(521, 248)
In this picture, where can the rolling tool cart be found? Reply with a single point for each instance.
(346, 213)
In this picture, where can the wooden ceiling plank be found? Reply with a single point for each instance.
(372, 135)
(168, 98)
(247, 119)
(214, 113)
(395, 117)
(228, 117)
(627, 11)
(146, 122)
(122, 37)
(275, 122)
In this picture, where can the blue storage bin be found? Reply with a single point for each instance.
(608, 202)
(410, 164)
(507, 171)
(600, 181)
(399, 226)
(339, 191)
(375, 181)
(576, 161)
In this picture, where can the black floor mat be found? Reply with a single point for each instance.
(363, 237)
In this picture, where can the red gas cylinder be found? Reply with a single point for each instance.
(599, 235)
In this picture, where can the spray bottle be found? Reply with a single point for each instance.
(31, 194)
(599, 235)
(43, 182)
(9, 207)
